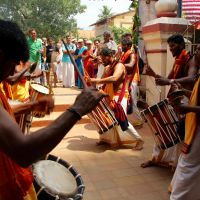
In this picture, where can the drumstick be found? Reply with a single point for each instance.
(75, 66)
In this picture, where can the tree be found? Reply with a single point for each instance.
(136, 21)
(118, 32)
(48, 17)
(105, 12)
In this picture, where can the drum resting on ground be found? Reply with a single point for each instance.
(56, 179)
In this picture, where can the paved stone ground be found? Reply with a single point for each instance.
(108, 174)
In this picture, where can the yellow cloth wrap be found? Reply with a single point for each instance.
(31, 194)
(21, 91)
(191, 120)
(1, 88)
(136, 76)
(6, 89)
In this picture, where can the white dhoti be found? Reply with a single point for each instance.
(116, 136)
(135, 97)
(38, 71)
(168, 157)
(68, 74)
(59, 71)
(186, 180)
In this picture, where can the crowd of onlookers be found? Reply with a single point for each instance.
(53, 57)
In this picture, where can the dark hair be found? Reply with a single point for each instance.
(176, 38)
(106, 52)
(125, 41)
(49, 38)
(126, 34)
(13, 41)
(97, 40)
(30, 30)
(107, 33)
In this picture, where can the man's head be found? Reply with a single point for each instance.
(33, 34)
(50, 41)
(127, 36)
(106, 36)
(44, 41)
(96, 43)
(106, 56)
(13, 48)
(85, 41)
(68, 39)
(89, 44)
(126, 44)
(80, 43)
(176, 44)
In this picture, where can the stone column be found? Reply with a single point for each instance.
(155, 35)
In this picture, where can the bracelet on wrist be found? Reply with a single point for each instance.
(171, 81)
(76, 114)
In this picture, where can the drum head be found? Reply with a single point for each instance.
(40, 88)
(55, 178)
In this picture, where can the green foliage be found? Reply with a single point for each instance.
(48, 17)
(136, 21)
(105, 12)
(118, 32)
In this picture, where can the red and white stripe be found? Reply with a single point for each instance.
(191, 10)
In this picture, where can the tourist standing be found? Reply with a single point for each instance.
(36, 50)
(68, 68)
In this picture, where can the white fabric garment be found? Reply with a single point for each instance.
(131, 130)
(170, 156)
(59, 69)
(116, 136)
(135, 96)
(37, 71)
(68, 74)
(186, 180)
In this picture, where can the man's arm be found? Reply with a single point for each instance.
(187, 108)
(119, 70)
(131, 64)
(27, 149)
(18, 75)
(192, 71)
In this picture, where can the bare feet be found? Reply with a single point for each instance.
(139, 145)
(149, 163)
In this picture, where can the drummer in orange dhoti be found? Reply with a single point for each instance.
(21, 88)
(16, 88)
(183, 68)
(116, 86)
(18, 151)
(186, 179)
(130, 61)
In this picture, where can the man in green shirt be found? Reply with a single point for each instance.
(35, 49)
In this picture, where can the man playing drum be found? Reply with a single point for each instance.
(183, 68)
(17, 150)
(130, 61)
(114, 78)
(186, 179)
